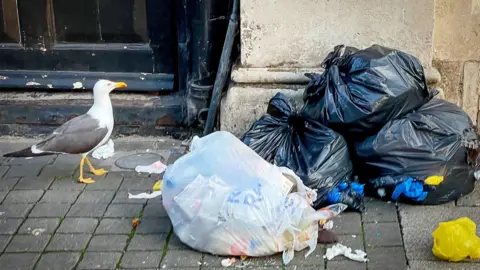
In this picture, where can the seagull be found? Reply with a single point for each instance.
(82, 134)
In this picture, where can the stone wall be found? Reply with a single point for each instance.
(457, 52)
(300, 33)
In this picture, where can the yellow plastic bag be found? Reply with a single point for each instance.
(456, 240)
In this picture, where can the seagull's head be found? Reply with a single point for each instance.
(106, 86)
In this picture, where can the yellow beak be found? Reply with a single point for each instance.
(120, 85)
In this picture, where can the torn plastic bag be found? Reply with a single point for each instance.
(432, 141)
(224, 199)
(317, 154)
(361, 90)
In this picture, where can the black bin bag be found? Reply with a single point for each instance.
(361, 90)
(438, 139)
(317, 154)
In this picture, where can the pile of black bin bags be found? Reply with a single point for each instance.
(370, 125)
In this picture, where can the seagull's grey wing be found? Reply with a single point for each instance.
(76, 136)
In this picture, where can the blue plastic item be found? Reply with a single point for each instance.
(411, 189)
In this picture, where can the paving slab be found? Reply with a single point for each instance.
(90, 226)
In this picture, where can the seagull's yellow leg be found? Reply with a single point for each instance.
(92, 170)
(81, 179)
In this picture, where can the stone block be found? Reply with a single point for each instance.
(58, 261)
(41, 161)
(78, 225)
(20, 171)
(48, 224)
(182, 259)
(387, 258)
(18, 261)
(16, 210)
(33, 183)
(422, 265)
(141, 259)
(67, 184)
(10, 225)
(68, 242)
(114, 226)
(50, 210)
(451, 82)
(60, 196)
(108, 243)
(137, 183)
(147, 242)
(383, 234)
(154, 210)
(123, 210)
(379, 211)
(174, 243)
(23, 196)
(3, 170)
(347, 223)
(87, 210)
(96, 196)
(111, 182)
(154, 226)
(4, 240)
(8, 183)
(100, 260)
(28, 243)
(342, 265)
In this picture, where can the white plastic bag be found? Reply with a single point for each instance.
(224, 199)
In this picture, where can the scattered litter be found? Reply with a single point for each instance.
(339, 249)
(228, 262)
(199, 263)
(38, 231)
(328, 225)
(456, 240)
(145, 195)
(354, 236)
(381, 192)
(2, 213)
(3, 78)
(477, 175)
(378, 234)
(157, 167)
(44, 76)
(105, 151)
(49, 85)
(77, 85)
(135, 222)
(32, 83)
(243, 257)
(157, 186)
(28, 157)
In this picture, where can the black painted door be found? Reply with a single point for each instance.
(65, 44)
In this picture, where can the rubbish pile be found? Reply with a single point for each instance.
(223, 198)
(369, 125)
(369, 119)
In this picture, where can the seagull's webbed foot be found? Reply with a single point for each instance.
(86, 180)
(96, 172)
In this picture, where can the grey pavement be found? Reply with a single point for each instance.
(49, 221)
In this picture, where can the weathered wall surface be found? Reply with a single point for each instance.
(457, 51)
(300, 33)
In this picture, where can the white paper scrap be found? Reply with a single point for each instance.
(157, 167)
(339, 249)
(145, 195)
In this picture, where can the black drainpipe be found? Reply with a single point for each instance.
(207, 22)
(224, 68)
